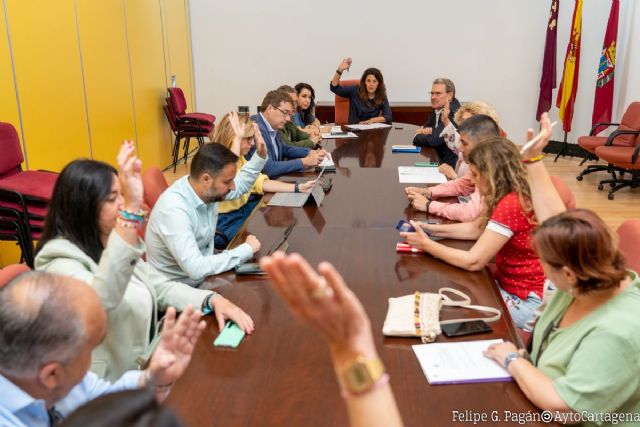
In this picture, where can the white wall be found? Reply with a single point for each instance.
(491, 49)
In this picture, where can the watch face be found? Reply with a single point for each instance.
(358, 377)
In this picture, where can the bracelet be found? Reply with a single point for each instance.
(159, 387)
(296, 187)
(206, 304)
(510, 358)
(428, 204)
(338, 72)
(125, 223)
(382, 381)
(533, 159)
(137, 216)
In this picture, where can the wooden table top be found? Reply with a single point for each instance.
(282, 374)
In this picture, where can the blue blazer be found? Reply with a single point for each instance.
(288, 159)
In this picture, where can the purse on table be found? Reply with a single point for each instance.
(418, 315)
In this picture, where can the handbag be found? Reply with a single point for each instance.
(418, 315)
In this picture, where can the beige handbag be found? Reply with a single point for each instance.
(418, 315)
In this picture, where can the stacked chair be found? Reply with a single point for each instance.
(185, 125)
(24, 195)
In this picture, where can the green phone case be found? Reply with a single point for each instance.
(231, 336)
(427, 164)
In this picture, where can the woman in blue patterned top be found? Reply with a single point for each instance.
(304, 117)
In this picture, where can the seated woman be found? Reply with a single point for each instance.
(233, 213)
(368, 101)
(304, 117)
(452, 137)
(91, 234)
(585, 358)
(503, 231)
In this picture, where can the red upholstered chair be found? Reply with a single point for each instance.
(567, 196)
(154, 184)
(622, 159)
(342, 104)
(625, 135)
(184, 129)
(10, 272)
(629, 234)
(179, 105)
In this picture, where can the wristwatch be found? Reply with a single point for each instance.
(361, 375)
(296, 187)
(510, 358)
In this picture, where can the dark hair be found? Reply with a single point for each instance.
(479, 127)
(81, 189)
(211, 159)
(579, 240)
(381, 92)
(130, 408)
(275, 98)
(307, 115)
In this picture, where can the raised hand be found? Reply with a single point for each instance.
(344, 65)
(238, 131)
(129, 175)
(261, 146)
(543, 138)
(445, 114)
(177, 341)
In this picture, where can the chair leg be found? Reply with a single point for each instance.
(591, 169)
(617, 184)
(186, 149)
(176, 150)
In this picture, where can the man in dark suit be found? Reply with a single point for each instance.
(276, 110)
(445, 105)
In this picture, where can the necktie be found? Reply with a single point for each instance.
(55, 417)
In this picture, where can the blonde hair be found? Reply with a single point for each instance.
(498, 162)
(224, 133)
(474, 108)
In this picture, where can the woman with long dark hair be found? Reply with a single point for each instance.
(368, 101)
(304, 117)
(91, 234)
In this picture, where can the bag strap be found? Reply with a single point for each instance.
(466, 303)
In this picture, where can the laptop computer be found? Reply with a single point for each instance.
(297, 200)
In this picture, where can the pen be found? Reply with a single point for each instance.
(534, 140)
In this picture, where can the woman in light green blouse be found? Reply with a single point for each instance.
(585, 360)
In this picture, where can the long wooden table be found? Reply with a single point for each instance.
(282, 374)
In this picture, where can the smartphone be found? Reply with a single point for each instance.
(427, 164)
(249, 268)
(465, 328)
(231, 336)
(405, 226)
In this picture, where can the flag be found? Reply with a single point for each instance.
(603, 102)
(569, 84)
(548, 79)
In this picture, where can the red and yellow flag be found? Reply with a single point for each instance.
(603, 101)
(548, 77)
(569, 84)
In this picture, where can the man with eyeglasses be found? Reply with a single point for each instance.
(276, 110)
(445, 105)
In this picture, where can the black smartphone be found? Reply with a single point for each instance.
(465, 328)
(249, 268)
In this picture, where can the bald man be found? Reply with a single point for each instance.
(49, 325)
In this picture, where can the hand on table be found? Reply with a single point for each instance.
(224, 309)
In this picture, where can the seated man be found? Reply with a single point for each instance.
(445, 105)
(290, 134)
(182, 224)
(276, 110)
(472, 131)
(49, 325)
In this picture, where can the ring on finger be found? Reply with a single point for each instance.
(321, 290)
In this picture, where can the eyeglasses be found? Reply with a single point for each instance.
(286, 113)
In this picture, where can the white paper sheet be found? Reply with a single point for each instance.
(459, 362)
(420, 175)
(336, 136)
(370, 126)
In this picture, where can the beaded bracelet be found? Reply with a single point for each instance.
(533, 159)
(125, 223)
(137, 216)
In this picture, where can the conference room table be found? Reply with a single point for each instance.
(281, 375)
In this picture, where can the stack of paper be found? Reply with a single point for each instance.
(459, 362)
(419, 175)
(370, 126)
(327, 161)
(337, 132)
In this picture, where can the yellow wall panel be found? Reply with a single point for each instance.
(103, 43)
(49, 76)
(9, 253)
(178, 47)
(8, 101)
(146, 47)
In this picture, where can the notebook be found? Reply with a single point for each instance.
(296, 200)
